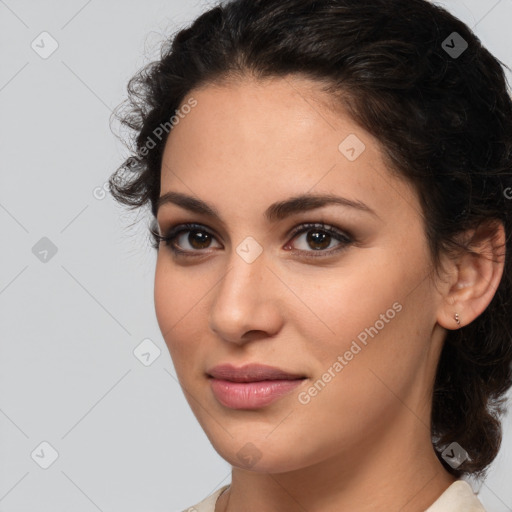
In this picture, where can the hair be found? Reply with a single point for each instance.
(444, 122)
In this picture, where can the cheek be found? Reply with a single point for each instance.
(343, 304)
(367, 315)
(177, 302)
(164, 296)
(381, 359)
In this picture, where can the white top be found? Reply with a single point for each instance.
(458, 497)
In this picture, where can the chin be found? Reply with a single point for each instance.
(260, 454)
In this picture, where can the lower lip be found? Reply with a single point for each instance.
(251, 395)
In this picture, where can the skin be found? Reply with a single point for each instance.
(363, 443)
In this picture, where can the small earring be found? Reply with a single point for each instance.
(457, 319)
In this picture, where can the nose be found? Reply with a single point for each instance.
(245, 305)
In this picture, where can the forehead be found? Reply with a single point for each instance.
(258, 141)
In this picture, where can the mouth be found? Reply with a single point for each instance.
(251, 386)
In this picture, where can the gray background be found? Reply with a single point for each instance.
(70, 320)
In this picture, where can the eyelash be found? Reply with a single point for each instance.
(345, 238)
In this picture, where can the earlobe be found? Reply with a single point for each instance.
(476, 275)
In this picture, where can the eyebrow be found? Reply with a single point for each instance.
(275, 212)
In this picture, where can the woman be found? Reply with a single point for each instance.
(330, 185)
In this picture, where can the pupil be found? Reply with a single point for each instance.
(198, 236)
(324, 239)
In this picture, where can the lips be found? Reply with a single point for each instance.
(252, 386)
(251, 373)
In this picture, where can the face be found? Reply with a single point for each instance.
(348, 303)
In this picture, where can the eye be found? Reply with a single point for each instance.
(319, 237)
(198, 238)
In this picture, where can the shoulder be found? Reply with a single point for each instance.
(208, 504)
(458, 497)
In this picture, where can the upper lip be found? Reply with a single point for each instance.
(251, 373)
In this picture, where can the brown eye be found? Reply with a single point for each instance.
(318, 238)
(317, 242)
(177, 238)
(198, 239)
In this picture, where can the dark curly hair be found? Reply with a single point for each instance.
(444, 121)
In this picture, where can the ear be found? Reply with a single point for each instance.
(473, 276)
